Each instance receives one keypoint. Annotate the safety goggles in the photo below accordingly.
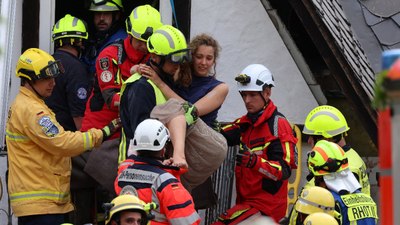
(51, 70)
(147, 33)
(179, 56)
(331, 165)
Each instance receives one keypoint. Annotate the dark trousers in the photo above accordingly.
(47, 219)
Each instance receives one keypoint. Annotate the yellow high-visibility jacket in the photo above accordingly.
(39, 156)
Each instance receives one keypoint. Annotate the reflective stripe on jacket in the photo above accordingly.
(154, 183)
(264, 187)
(39, 152)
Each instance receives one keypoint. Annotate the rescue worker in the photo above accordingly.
(113, 67)
(328, 123)
(39, 149)
(311, 200)
(330, 167)
(108, 25)
(153, 181)
(193, 147)
(70, 94)
(267, 150)
(126, 209)
(68, 102)
(320, 218)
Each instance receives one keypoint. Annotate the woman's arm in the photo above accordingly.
(212, 100)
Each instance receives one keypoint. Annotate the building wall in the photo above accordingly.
(247, 35)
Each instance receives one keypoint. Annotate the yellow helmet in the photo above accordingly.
(325, 120)
(169, 42)
(320, 218)
(36, 64)
(326, 157)
(69, 27)
(142, 22)
(315, 199)
(106, 5)
(126, 202)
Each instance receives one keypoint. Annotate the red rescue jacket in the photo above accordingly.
(271, 138)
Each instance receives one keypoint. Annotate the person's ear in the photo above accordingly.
(267, 92)
(155, 58)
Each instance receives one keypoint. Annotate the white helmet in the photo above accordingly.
(254, 78)
(150, 135)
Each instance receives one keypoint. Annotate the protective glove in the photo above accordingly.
(191, 113)
(111, 128)
(246, 159)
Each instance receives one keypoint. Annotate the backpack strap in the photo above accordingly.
(121, 50)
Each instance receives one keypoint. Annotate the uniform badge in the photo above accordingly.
(104, 63)
(106, 76)
(48, 127)
(81, 93)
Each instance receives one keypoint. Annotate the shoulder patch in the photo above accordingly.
(104, 65)
(48, 127)
(81, 93)
(106, 76)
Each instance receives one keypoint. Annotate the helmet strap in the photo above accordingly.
(33, 88)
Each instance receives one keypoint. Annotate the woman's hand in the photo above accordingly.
(136, 68)
(149, 73)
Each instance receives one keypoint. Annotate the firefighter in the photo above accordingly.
(328, 123)
(108, 25)
(153, 181)
(70, 94)
(329, 165)
(126, 209)
(320, 218)
(193, 147)
(113, 67)
(39, 149)
(311, 200)
(68, 102)
(267, 149)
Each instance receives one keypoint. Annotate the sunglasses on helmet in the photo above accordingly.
(179, 56)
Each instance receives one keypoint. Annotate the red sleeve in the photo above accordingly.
(177, 204)
(108, 76)
(281, 154)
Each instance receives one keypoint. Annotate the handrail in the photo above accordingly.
(293, 187)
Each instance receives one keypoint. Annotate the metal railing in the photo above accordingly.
(223, 181)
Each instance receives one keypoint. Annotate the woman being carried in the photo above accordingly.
(196, 83)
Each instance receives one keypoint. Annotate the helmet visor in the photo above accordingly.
(51, 71)
(179, 56)
(143, 37)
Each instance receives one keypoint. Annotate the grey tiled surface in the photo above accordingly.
(335, 19)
